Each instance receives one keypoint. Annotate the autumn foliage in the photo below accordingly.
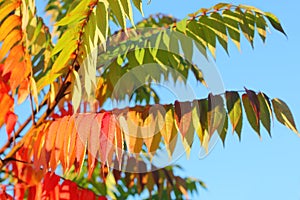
(71, 146)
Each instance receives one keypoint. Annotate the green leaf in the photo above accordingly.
(181, 26)
(102, 21)
(218, 26)
(216, 113)
(250, 18)
(186, 45)
(261, 25)
(200, 121)
(173, 43)
(64, 56)
(284, 114)
(139, 5)
(222, 130)
(69, 36)
(194, 31)
(275, 22)
(234, 107)
(128, 10)
(139, 55)
(118, 11)
(46, 79)
(254, 103)
(210, 35)
(196, 120)
(250, 113)
(231, 20)
(245, 25)
(76, 14)
(265, 111)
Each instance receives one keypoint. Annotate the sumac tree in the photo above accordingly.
(71, 146)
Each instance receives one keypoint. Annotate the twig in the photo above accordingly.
(21, 128)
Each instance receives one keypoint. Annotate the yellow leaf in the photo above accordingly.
(283, 114)
(8, 25)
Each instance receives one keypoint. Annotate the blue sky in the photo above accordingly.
(252, 168)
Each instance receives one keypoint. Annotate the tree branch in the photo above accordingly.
(21, 128)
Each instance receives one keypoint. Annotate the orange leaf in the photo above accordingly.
(50, 142)
(59, 142)
(20, 72)
(70, 152)
(14, 57)
(9, 42)
(93, 145)
(6, 102)
(119, 142)
(39, 155)
(23, 91)
(18, 65)
(83, 124)
(10, 120)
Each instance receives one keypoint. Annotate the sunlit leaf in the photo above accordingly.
(275, 22)
(234, 107)
(251, 114)
(283, 114)
(265, 111)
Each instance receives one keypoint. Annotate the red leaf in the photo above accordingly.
(10, 120)
(51, 180)
(19, 191)
(68, 190)
(183, 116)
(254, 103)
(4, 87)
(107, 135)
(3, 194)
(86, 194)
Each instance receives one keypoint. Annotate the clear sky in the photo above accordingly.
(253, 168)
